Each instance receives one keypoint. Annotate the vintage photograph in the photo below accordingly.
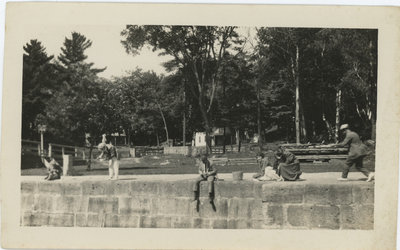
(200, 126)
(216, 127)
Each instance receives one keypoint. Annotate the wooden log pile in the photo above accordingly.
(316, 152)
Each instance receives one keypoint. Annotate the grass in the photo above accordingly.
(173, 164)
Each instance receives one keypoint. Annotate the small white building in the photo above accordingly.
(199, 139)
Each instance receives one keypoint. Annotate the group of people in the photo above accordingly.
(281, 165)
(108, 152)
(278, 165)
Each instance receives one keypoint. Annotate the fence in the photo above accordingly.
(30, 147)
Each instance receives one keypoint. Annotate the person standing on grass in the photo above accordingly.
(207, 173)
(357, 152)
(110, 154)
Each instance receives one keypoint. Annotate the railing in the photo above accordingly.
(142, 151)
(60, 150)
(30, 147)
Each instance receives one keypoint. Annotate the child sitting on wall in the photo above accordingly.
(266, 162)
(54, 170)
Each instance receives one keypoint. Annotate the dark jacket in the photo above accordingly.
(356, 147)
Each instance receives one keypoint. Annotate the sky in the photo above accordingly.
(106, 50)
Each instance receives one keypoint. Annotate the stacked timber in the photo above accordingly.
(316, 152)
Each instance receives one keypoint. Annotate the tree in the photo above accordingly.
(37, 85)
(80, 104)
(286, 46)
(198, 49)
(73, 51)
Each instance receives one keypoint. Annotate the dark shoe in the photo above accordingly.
(196, 196)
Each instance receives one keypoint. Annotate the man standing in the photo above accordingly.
(357, 152)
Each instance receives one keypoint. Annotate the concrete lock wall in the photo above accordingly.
(164, 204)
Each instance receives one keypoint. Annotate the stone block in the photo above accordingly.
(298, 216)
(29, 187)
(364, 215)
(103, 205)
(44, 203)
(61, 220)
(206, 209)
(129, 221)
(155, 222)
(80, 220)
(239, 224)
(181, 222)
(201, 223)
(162, 221)
(257, 224)
(176, 189)
(273, 215)
(363, 194)
(111, 220)
(95, 220)
(27, 202)
(121, 188)
(244, 208)
(97, 188)
(239, 189)
(73, 203)
(134, 205)
(72, 188)
(283, 192)
(325, 217)
(144, 188)
(36, 219)
(347, 217)
(50, 187)
(219, 224)
(328, 194)
(147, 222)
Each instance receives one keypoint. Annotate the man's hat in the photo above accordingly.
(344, 126)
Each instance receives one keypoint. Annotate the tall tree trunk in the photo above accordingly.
(259, 115)
(206, 125)
(303, 123)
(238, 138)
(328, 126)
(224, 142)
(184, 119)
(337, 121)
(372, 91)
(295, 71)
(165, 123)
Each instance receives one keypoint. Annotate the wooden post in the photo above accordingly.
(38, 149)
(50, 150)
(68, 165)
(76, 152)
(62, 151)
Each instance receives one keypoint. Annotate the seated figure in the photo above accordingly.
(288, 166)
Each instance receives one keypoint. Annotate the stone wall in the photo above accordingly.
(164, 204)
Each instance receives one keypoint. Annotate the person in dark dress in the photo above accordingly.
(287, 166)
(357, 152)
